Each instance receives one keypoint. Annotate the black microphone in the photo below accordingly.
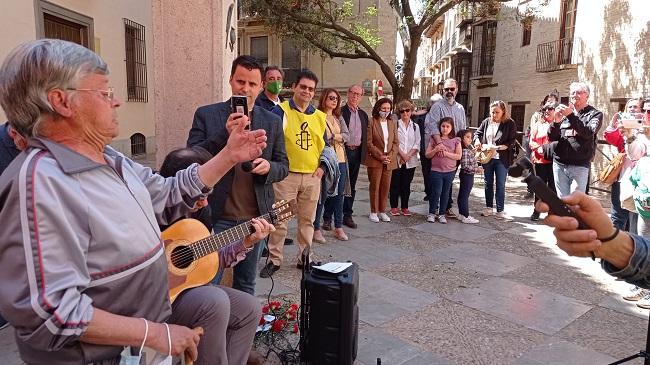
(247, 166)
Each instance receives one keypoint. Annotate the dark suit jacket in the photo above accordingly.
(506, 135)
(8, 150)
(264, 101)
(376, 144)
(345, 112)
(209, 131)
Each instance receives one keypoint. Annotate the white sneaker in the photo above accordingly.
(442, 219)
(373, 217)
(504, 216)
(384, 217)
(431, 218)
(487, 212)
(636, 294)
(644, 302)
(469, 220)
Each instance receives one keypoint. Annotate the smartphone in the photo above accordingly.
(239, 104)
(632, 123)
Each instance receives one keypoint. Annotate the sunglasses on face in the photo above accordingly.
(449, 89)
(333, 98)
(305, 87)
(404, 111)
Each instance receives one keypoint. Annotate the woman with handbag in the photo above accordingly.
(496, 133)
(382, 158)
(539, 138)
(337, 134)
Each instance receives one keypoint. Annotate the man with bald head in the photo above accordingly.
(355, 149)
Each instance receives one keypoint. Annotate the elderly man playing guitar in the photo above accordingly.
(84, 276)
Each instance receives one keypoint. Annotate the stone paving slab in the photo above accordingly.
(560, 352)
(375, 311)
(475, 257)
(382, 300)
(456, 231)
(464, 335)
(617, 303)
(374, 343)
(515, 302)
(609, 332)
(366, 228)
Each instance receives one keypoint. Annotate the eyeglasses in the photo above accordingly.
(109, 93)
(449, 89)
(404, 111)
(352, 93)
(333, 98)
(305, 87)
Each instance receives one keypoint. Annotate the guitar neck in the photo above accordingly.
(218, 241)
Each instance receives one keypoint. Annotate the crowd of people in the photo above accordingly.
(82, 234)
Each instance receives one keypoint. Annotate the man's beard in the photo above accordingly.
(449, 97)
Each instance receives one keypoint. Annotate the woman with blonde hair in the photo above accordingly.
(408, 135)
(496, 133)
(381, 158)
(337, 135)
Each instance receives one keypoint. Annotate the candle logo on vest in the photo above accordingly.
(304, 138)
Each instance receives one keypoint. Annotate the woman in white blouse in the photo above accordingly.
(408, 134)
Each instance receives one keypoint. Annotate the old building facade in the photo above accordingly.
(149, 50)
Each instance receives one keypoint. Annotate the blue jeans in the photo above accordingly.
(243, 277)
(440, 188)
(491, 169)
(466, 184)
(334, 204)
(620, 216)
(569, 178)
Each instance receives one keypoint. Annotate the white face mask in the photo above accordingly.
(384, 115)
(126, 358)
(168, 359)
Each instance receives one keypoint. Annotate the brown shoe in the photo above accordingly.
(348, 221)
(318, 237)
(327, 225)
(340, 235)
(255, 358)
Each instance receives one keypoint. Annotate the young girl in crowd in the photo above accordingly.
(468, 167)
(443, 157)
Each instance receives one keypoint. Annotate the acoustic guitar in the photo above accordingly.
(192, 253)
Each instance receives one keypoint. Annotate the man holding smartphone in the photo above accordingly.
(241, 195)
(576, 140)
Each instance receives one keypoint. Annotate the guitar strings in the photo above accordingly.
(204, 245)
(207, 243)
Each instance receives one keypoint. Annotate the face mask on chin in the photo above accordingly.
(384, 115)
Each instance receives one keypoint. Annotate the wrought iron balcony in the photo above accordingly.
(482, 62)
(554, 56)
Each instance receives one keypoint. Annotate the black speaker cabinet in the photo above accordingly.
(330, 317)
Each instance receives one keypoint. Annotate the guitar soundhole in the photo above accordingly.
(182, 257)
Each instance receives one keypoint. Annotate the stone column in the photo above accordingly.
(192, 57)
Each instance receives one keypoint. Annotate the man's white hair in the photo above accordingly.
(579, 85)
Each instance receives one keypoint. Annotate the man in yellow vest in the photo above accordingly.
(304, 139)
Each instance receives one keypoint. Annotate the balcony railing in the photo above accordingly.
(554, 56)
(482, 62)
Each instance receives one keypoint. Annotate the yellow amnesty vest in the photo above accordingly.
(303, 138)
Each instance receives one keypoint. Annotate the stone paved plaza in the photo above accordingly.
(493, 293)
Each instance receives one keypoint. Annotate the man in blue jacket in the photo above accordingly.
(241, 195)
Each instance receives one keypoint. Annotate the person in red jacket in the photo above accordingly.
(539, 138)
(614, 134)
